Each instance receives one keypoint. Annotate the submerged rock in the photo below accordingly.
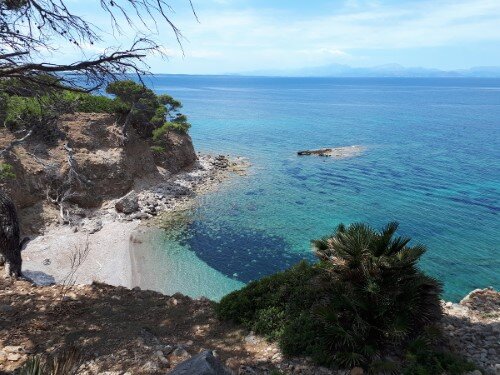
(204, 363)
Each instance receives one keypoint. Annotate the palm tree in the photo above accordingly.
(378, 296)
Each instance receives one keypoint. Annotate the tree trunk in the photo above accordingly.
(10, 246)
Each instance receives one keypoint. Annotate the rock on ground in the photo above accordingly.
(204, 363)
(128, 204)
(472, 328)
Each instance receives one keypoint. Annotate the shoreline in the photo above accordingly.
(98, 247)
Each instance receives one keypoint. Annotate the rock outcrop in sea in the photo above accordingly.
(336, 153)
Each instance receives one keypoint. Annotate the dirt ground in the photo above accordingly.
(120, 330)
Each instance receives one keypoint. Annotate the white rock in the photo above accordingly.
(13, 349)
(13, 357)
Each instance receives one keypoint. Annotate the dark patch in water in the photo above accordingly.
(336, 184)
(466, 201)
(255, 192)
(240, 253)
(293, 170)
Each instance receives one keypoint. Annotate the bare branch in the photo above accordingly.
(14, 143)
(30, 26)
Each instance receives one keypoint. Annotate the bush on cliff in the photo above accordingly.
(150, 114)
(365, 295)
(6, 171)
(37, 109)
(146, 111)
(88, 103)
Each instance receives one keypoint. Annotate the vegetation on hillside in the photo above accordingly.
(151, 115)
(362, 300)
(66, 363)
(6, 171)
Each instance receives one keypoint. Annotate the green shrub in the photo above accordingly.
(67, 362)
(157, 149)
(32, 110)
(6, 171)
(83, 102)
(150, 114)
(163, 130)
(365, 295)
(379, 297)
(22, 112)
(425, 357)
(25, 108)
(279, 308)
(289, 291)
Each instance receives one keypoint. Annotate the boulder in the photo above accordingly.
(128, 204)
(91, 225)
(204, 363)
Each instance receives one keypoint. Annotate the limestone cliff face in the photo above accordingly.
(178, 155)
(91, 157)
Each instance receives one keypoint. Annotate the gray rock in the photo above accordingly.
(140, 215)
(6, 309)
(13, 357)
(150, 367)
(91, 226)
(165, 349)
(202, 364)
(128, 204)
(180, 352)
(161, 358)
(252, 339)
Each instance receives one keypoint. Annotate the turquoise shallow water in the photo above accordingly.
(432, 163)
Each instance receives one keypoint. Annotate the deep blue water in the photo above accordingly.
(432, 164)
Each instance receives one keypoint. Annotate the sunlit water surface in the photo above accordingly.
(432, 164)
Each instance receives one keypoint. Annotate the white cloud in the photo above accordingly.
(231, 37)
(422, 25)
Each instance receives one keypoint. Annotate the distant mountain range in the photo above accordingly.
(388, 70)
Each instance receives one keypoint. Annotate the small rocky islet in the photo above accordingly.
(345, 152)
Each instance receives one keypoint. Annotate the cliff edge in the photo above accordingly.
(83, 162)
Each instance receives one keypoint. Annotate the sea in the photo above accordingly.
(431, 163)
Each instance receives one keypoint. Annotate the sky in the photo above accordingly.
(240, 36)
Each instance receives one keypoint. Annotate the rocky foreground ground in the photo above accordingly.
(123, 331)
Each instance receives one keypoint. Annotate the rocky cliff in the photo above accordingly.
(85, 163)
